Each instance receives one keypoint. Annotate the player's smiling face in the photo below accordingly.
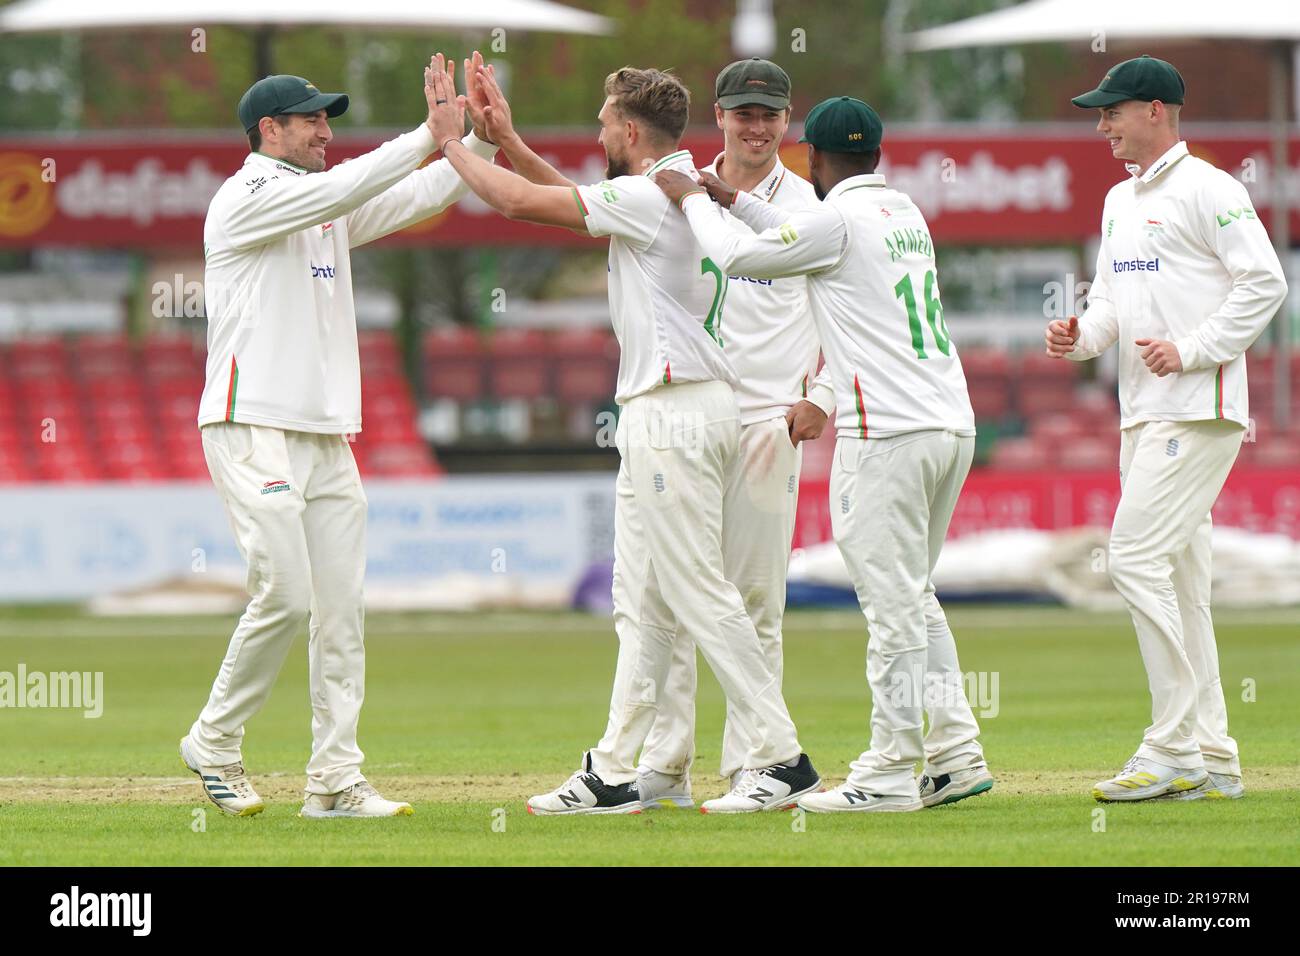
(613, 136)
(301, 140)
(1126, 128)
(752, 133)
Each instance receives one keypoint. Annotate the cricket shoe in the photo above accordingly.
(358, 800)
(849, 799)
(1218, 786)
(228, 787)
(585, 792)
(1142, 779)
(768, 788)
(663, 789)
(941, 788)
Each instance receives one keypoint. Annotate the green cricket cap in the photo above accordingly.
(276, 95)
(752, 82)
(1144, 78)
(843, 124)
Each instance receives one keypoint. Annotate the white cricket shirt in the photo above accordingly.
(282, 333)
(867, 253)
(665, 295)
(1183, 257)
(771, 338)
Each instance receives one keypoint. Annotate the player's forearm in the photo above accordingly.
(291, 204)
(504, 191)
(730, 251)
(755, 213)
(531, 166)
(822, 392)
(1234, 327)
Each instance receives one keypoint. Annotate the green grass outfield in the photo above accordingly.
(467, 715)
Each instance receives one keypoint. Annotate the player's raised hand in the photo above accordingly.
(446, 118)
(721, 193)
(676, 184)
(474, 99)
(496, 112)
(1061, 336)
(1161, 357)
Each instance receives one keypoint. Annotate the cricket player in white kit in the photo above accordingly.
(678, 437)
(283, 392)
(906, 435)
(772, 344)
(1186, 281)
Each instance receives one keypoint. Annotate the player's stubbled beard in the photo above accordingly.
(616, 165)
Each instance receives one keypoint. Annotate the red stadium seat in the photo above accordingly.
(1037, 364)
(1089, 454)
(586, 365)
(1020, 454)
(990, 399)
(454, 360)
(985, 363)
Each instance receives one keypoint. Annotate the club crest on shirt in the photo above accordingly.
(326, 229)
(1153, 228)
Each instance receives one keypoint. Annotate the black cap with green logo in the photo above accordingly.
(843, 124)
(276, 95)
(1144, 78)
(752, 82)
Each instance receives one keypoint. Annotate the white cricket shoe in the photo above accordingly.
(228, 787)
(1142, 779)
(663, 789)
(1217, 786)
(939, 789)
(768, 788)
(849, 799)
(358, 800)
(585, 792)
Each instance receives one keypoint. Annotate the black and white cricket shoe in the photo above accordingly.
(768, 788)
(585, 792)
(942, 788)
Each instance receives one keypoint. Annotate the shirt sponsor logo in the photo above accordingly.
(748, 279)
(1232, 215)
(271, 487)
(322, 272)
(1135, 265)
(255, 184)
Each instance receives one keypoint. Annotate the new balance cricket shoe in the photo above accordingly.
(663, 789)
(849, 799)
(1218, 786)
(585, 792)
(228, 786)
(358, 800)
(1142, 779)
(942, 788)
(768, 788)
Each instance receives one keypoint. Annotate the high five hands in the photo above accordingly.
(446, 118)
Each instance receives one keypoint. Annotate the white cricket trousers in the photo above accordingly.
(679, 444)
(891, 502)
(299, 515)
(758, 511)
(1170, 475)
